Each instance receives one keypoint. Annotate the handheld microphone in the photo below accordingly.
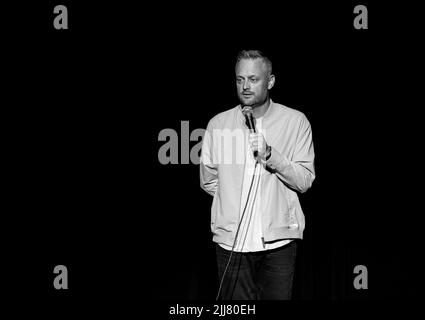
(249, 120)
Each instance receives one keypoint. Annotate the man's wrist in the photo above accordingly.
(268, 152)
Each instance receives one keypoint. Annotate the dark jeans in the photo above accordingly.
(265, 275)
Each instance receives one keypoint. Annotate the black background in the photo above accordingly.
(87, 189)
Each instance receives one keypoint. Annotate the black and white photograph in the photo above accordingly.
(214, 159)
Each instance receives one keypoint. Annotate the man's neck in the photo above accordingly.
(259, 111)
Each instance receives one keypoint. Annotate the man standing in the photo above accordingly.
(256, 216)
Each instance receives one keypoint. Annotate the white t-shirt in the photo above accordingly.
(250, 237)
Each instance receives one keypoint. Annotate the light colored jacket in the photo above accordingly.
(290, 169)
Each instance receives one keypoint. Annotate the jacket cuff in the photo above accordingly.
(277, 161)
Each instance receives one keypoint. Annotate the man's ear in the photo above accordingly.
(271, 82)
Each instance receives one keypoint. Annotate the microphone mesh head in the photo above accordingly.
(247, 110)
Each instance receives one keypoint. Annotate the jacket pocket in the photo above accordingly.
(280, 208)
(214, 209)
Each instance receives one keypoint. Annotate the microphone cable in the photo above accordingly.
(237, 232)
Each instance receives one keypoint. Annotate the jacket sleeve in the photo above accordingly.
(208, 169)
(298, 172)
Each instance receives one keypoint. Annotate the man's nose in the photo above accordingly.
(246, 84)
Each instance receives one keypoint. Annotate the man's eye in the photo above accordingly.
(238, 80)
(254, 80)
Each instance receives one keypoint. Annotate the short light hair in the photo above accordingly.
(252, 55)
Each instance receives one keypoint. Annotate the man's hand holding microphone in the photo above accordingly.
(256, 140)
